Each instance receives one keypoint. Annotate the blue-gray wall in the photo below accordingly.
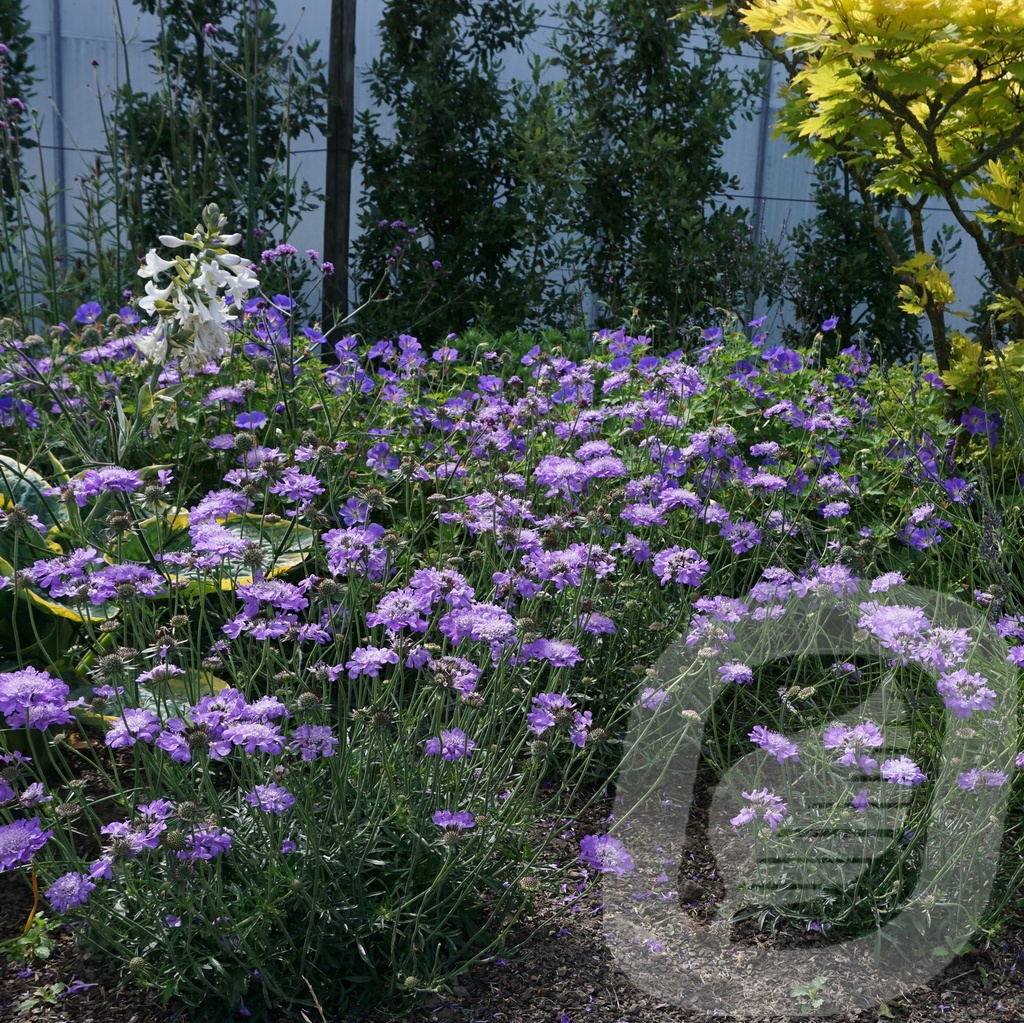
(79, 59)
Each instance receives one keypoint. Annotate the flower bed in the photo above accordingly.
(346, 623)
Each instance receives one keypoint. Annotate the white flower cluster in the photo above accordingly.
(192, 307)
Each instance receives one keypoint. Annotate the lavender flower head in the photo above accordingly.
(271, 798)
(20, 841)
(763, 804)
(69, 891)
(453, 744)
(606, 854)
(774, 743)
(903, 771)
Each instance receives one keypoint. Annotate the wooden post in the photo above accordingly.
(338, 188)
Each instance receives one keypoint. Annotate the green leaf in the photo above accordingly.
(285, 545)
(169, 698)
(21, 485)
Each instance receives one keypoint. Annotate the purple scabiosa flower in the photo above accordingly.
(369, 660)
(579, 729)
(964, 693)
(297, 486)
(903, 771)
(683, 566)
(272, 798)
(559, 475)
(68, 891)
(654, 699)
(33, 699)
(763, 804)
(722, 609)
(835, 509)
(606, 854)
(970, 780)
(640, 515)
(556, 652)
(736, 671)
(313, 741)
(742, 536)
(61, 575)
(357, 550)
(20, 841)
(861, 800)
(480, 623)
(449, 820)
(453, 744)
(442, 584)
(549, 709)
(34, 795)
(831, 323)
(109, 478)
(885, 582)
(255, 735)
(898, 627)
(133, 724)
(941, 648)
(401, 609)
(596, 624)
(123, 582)
(764, 480)
(162, 672)
(455, 673)
(775, 743)
(854, 742)
(275, 592)
(219, 504)
(206, 843)
(225, 395)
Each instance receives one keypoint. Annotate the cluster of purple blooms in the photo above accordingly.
(665, 480)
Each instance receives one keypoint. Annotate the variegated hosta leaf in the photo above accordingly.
(168, 698)
(285, 545)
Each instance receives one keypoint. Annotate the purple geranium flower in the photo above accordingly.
(976, 420)
(88, 312)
